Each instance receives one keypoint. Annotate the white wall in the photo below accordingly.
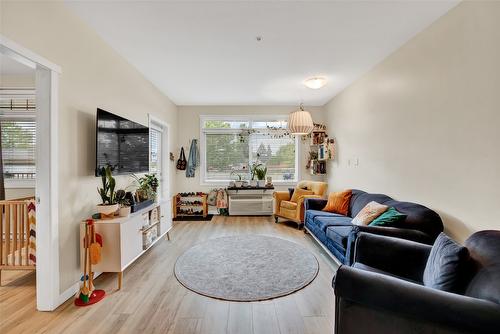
(425, 122)
(93, 76)
(189, 128)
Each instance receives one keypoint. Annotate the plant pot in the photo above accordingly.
(254, 183)
(124, 211)
(107, 210)
(238, 184)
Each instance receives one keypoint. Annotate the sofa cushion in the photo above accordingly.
(313, 214)
(338, 220)
(362, 266)
(288, 205)
(338, 202)
(389, 218)
(371, 211)
(445, 265)
(339, 234)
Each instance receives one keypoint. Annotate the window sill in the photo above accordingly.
(19, 184)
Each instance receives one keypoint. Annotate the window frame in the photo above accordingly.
(241, 118)
(20, 116)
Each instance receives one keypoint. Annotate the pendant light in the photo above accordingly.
(300, 122)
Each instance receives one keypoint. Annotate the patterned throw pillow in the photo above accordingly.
(371, 211)
(389, 218)
(338, 202)
(300, 192)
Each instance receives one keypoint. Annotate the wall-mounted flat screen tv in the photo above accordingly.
(121, 143)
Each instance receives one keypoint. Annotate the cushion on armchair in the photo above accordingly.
(338, 202)
(288, 205)
(300, 192)
(445, 265)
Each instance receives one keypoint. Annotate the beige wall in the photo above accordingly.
(425, 123)
(189, 128)
(93, 76)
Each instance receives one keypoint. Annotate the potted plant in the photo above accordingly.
(108, 195)
(239, 182)
(148, 187)
(123, 202)
(260, 172)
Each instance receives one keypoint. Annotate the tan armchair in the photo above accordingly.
(294, 211)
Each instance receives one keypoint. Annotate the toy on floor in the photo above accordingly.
(92, 244)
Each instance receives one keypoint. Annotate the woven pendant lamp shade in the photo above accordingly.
(300, 122)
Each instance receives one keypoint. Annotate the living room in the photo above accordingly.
(339, 169)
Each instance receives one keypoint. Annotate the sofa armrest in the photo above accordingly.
(408, 234)
(405, 299)
(278, 197)
(301, 206)
(314, 203)
(400, 257)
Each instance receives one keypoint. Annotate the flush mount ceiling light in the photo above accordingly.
(315, 82)
(300, 122)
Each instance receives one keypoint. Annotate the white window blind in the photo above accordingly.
(18, 131)
(155, 156)
(230, 146)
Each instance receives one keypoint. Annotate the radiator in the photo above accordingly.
(250, 205)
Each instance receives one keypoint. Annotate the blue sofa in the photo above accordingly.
(338, 234)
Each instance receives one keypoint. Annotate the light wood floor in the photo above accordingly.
(152, 301)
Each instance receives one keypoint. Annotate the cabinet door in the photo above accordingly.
(131, 240)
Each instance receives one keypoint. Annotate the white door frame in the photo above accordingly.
(48, 295)
(165, 155)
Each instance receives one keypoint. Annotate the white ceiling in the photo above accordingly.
(206, 53)
(9, 66)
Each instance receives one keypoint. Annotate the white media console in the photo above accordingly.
(125, 239)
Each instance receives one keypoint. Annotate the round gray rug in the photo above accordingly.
(246, 268)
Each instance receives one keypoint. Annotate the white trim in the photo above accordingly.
(165, 154)
(25, 56)
(48, 294)
(70, 292)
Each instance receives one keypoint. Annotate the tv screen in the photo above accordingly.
(121, 143)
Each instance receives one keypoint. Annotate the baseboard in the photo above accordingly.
(324, 247)
(70, 292)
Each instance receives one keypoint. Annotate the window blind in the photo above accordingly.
(277, 154)
(18, 148)
(155, 156)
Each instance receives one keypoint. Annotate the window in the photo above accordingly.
(229, 146)
(155, 135)
(18, 129)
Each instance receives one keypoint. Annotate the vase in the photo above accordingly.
(107, 210)
(124, 211)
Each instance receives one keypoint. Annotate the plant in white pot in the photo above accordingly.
(123, 202)
(109, 206)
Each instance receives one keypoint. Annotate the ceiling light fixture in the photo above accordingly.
(315, 83)
(300, 122)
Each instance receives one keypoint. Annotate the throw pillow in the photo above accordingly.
(371, 211)
(338, 202)
(297, 193)
(445, 265)
(389, 218)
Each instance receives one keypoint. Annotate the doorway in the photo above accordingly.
(32, 167)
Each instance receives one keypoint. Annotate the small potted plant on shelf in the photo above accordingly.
(123, 202)
(239, 182)
(261, 172)
(108, 195)
(148, 187)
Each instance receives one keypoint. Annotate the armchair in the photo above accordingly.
(294, 211)
(383, 291)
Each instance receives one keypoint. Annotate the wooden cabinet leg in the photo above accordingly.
(120, 280)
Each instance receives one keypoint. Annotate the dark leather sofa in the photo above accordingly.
(383, 292)
(338, 235)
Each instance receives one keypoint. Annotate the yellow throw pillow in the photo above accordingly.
(300, 192)
(338, 202)
(371, 211)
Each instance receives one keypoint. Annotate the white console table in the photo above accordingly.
(123, 237)
(250, 201)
